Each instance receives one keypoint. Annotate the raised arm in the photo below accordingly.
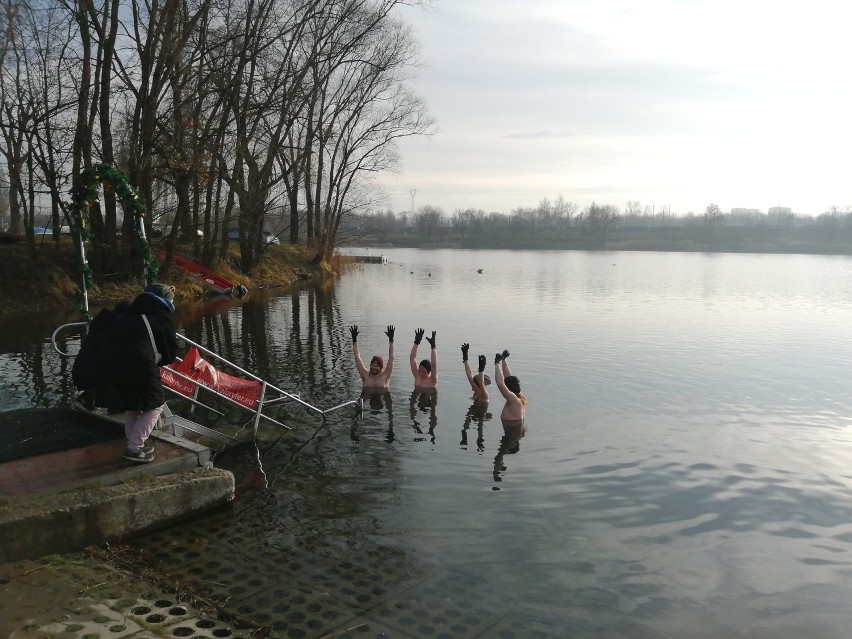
(467, 371)
(418, 335)
(389, 368)
(433, 357)
(480, 378)
(500, 380)
(362, 370)
(506, 371)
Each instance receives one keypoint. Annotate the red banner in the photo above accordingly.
(245, 392)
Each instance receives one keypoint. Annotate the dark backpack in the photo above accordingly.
(84, 372)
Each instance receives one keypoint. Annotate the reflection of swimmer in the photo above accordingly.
(426, 372)
(478, 412)
(510, 387)
(479, 409)
(510, 443)
(378, 401)
(423, 402)
(378, 376)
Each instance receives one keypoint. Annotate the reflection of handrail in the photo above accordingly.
(56, 332)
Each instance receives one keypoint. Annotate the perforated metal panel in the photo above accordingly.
(31, 431)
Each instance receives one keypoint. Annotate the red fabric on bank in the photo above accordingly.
(245, 392)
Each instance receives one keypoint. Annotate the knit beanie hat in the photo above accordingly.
(162, 290)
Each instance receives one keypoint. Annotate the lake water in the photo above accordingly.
(685, 469)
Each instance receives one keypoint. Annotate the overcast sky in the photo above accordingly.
(672, 103)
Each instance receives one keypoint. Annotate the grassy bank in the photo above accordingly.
(51, 279)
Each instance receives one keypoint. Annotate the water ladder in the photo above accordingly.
(269, 395)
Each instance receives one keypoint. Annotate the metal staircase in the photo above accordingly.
(195, 390)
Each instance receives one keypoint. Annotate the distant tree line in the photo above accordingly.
(249, 114)
(561, 224)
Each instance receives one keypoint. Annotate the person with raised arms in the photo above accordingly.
(378, 375)
(513, 414)
(426, 372)
(510, 387)
(479, 381)
(478, 411)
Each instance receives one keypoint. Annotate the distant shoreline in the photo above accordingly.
(792, 246)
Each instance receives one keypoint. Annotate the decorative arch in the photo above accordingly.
(84, 196)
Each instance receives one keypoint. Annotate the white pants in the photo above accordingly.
(139, 424)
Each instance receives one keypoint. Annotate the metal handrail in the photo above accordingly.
(282, 392)
(56, 332)
(283, 395)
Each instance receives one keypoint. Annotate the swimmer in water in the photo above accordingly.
(378, 376)
(510, 386)
(426, 372)
(479, 381)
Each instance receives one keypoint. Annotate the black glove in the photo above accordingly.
(505, 354)
(497, 358)
(431, 340)
(418, 335)
(465, 348)
(481, 363)
(354, 331)
(389, 333)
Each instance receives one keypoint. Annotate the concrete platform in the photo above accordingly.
(63, 500)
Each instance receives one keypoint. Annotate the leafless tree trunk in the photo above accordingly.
(262, 90)
(363, 109)
(221, 107)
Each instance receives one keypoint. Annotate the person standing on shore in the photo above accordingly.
(377, 376)
(143, 339)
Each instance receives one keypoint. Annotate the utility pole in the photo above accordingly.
(413, 192)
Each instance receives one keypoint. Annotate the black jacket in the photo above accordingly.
(128, 377)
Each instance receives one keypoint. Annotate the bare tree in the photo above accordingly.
(34, 110)
(599, 218)
(263, 95)
(362, 107)
(215, 109)
(429, 221)
(712, 215)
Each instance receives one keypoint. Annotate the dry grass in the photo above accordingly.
(47, 281)
(50, 280)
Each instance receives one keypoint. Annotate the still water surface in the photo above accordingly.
(685, 470)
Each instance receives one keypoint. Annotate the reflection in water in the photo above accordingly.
(378, 401)
(288, 340)
(510, 443)
(478, 412)
(423, 403)
(31, 372)
(710, 507)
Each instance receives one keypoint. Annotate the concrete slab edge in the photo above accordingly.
(68, 521)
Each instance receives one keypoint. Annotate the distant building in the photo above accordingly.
(745, 212)
(780, 211)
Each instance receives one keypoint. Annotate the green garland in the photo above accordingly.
(84, 195)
